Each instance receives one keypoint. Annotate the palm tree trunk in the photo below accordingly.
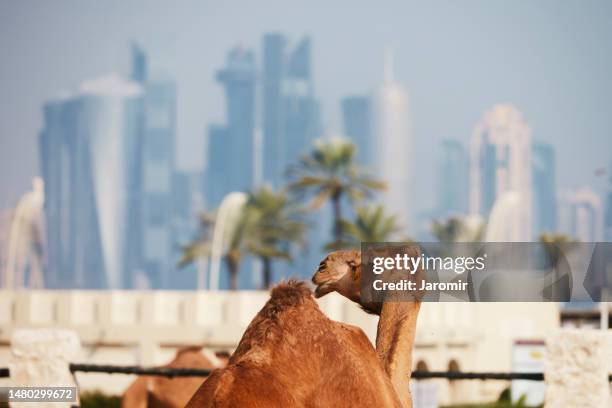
(337, 217)
(267, 272)
(232, 266)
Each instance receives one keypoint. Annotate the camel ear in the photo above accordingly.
(355, 261)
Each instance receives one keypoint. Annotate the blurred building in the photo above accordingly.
(107, 154)
(90, 147)
(217, 151)
(392, 135)
(544, 188)
(231, 158)
(452, 179)
(6, 216)
(187, 205)
(187, 200)
(608, 215)
(500, 162)
(25, 242)
(356, 117)
(581, 215)
(290, 111)
(157, 170)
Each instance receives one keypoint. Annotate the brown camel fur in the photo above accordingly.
(162, 392)
(341, 272)
(292, 355)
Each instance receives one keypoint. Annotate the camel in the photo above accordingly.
(292, 355)
(161, 392)
(341, 272)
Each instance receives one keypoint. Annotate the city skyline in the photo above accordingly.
(559, 104)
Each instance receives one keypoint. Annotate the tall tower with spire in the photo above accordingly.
(392, 141)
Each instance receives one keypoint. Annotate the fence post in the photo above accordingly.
(41, 358)
(576, 369)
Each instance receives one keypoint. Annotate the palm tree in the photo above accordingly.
(328, 173)
(274, 226)
(266, 227)
(201, 246)
(371, 225)
(458, 229)
(555, 245)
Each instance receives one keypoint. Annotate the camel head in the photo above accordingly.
(340, 272)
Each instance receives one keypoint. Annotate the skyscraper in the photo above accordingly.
(157, 155)
(272, 79)
(139, 67)
(300, 109)
(218, 151)
(231, 148)
(581, 215)
(90, 159)
(452, 179)
(392, 133)
(6, 218)
(544, 188)
(290, 110)
(608, 216)
(356, 116)
(187, 204)
(500, 162)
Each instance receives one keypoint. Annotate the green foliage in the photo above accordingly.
(97, 399)
(371, 224)
(329, 174)
(504, 401)
(504, 404)
(268, 226)
(556, 239)
(273, 226)
(328, 171)
(457, 229)
(201, 245)
(554, 244)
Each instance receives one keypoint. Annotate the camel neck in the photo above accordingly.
(394, 343)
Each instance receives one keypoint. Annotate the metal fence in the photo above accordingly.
(198, 372)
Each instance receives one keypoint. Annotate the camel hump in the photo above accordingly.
(290, 293)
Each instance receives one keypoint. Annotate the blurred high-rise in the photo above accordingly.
(187, 203)
(107, 154)
(157, 169)
(452, 179)
(392, 137)
(581, 215)
(290, 111)
(356, 116)
(608, 215)
(91, 163)
(6, 217)
(544, 188)
(500, 169)
(231, 157)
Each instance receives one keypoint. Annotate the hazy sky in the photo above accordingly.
(552, 59)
